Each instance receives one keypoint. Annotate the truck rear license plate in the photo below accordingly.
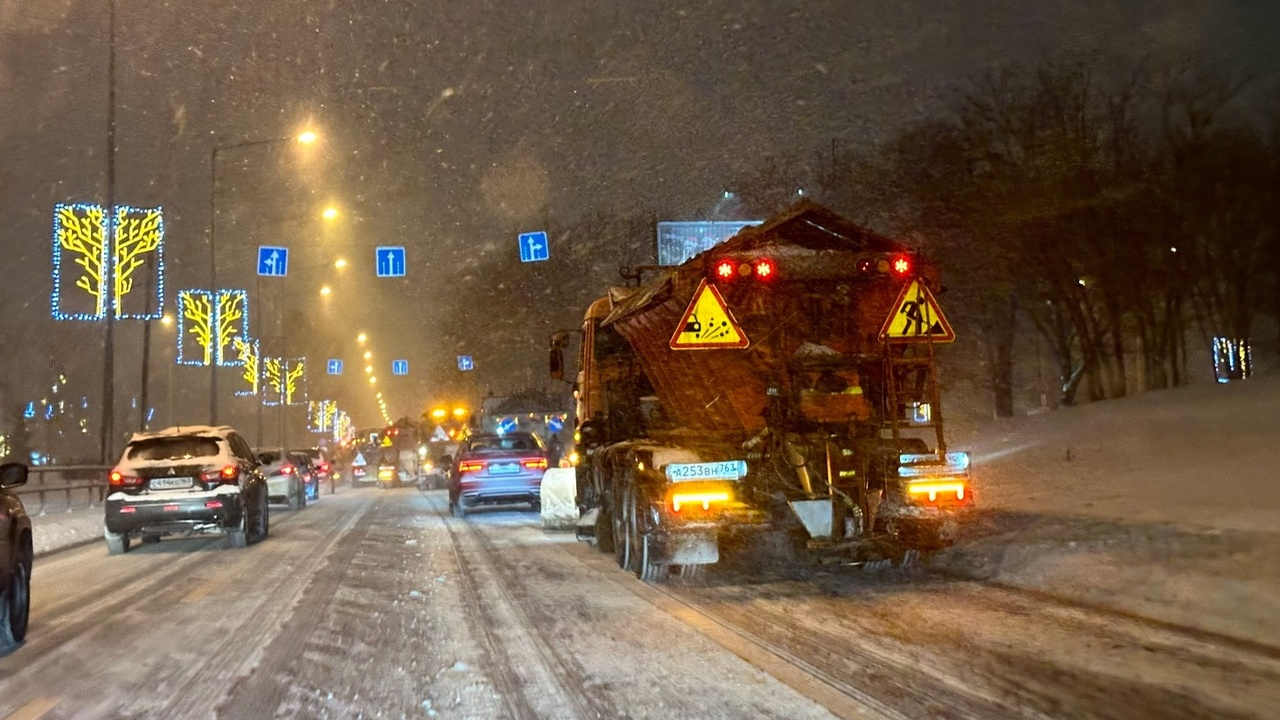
(171, 483)
(723, 470)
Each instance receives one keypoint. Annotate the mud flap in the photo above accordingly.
(559, 499)
(585, 528)
(815, 515)
(689, 549)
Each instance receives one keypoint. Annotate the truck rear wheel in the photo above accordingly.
(639, 542)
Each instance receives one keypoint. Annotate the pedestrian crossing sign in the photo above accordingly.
(440, 435)
(916, 317)
(708, 324)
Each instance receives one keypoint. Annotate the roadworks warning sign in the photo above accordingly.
(708, 324)
(916, 317)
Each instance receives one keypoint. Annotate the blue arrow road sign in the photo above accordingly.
(335, 367)
(534, 247)
(465, 363)
(273, 261)
(399, 367)
(390, 261)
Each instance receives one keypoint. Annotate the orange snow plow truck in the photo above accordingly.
(783, 379)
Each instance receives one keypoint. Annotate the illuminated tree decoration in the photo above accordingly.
(195, 318)
(233, 322)
(79, 233)
(285, 381)
(322, 415)
(214, 327)
(249, 353)
(139, 234)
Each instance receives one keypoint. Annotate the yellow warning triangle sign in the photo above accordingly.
(386, 441)
(916, 317)
(708, 324)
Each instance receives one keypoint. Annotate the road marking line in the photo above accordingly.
(34, 709)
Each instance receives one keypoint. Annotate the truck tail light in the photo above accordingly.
(699, 495)
(943, 489)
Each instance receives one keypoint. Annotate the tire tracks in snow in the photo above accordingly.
(266, 686)
(565, 677)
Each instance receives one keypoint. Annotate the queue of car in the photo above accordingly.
(192, 480)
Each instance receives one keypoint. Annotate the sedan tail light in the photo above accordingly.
(118, 479)
(467, 466)
(534, 464)
(286, 469)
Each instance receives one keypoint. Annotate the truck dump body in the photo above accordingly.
(819, 301)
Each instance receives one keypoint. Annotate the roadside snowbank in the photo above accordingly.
(1165, 505)
(57, 530)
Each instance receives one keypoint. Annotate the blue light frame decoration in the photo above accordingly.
(106, 254)
(268, 392)
(182, 296)
(223, 354)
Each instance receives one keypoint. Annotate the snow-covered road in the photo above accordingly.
(378, 604)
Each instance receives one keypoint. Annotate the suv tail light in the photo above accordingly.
(467, 466)
(119, 479)
(534, 464)
(229, 474)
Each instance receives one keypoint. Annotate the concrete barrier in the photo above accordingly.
(559, 499)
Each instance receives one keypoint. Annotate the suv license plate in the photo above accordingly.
(171, 483)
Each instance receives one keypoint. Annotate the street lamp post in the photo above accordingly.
(107, 430)
(306, 138)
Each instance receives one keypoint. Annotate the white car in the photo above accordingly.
(285, 481)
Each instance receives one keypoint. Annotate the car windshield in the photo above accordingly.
(269, 457)
(174, 448)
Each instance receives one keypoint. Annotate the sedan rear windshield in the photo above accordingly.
(174, 448)
(483, 443)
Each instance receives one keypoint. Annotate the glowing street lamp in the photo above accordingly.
(329, 213)
(361, 338)
(367, 354)
(307, 137)
(340, 263)
(325, 291)
(368, 369)
(372, 380)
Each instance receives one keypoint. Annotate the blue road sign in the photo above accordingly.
(465, 363)
(335, 367)
(389, 261)
(273, 261)
(534, 247)
(555, 424)
(399, 367)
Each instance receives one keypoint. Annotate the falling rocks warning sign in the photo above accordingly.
(708, 324)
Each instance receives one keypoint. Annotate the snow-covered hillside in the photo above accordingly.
(1165, 504)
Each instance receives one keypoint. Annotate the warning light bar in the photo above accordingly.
(760, 268)
(898, 264)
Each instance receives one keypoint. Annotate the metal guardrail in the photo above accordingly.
(63, 487)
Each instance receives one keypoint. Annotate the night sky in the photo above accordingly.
(448, 127)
